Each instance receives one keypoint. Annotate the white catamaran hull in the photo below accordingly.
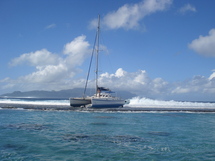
(103, 103)
(77, 102)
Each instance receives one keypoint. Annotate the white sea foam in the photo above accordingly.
(146, 102)
(35, 102)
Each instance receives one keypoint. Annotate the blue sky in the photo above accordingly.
(160, 49)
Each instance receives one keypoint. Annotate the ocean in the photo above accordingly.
(49, 134)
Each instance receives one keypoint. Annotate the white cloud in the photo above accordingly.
(187, 8)
(137, 82)
(77, 46)
(5, 80)
(141, 78)
(76, 51)
(204, 45)
(180, 90)
(198, 85)
(212, 76)
(53, 68)
(37, 58)
(120, 73)
(47, 74)
(129, 15)
(50, 26)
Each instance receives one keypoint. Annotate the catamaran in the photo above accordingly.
(103, 97)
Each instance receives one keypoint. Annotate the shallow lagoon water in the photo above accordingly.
(71, 135)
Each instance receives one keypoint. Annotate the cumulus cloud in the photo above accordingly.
(47, 74)
(77, 46)
(76, 51)
(187, 8)
(138, 82)
(37, 58)
(52, 68)
(199, 87)
(193, 85)
(204, 45)
(129, 15)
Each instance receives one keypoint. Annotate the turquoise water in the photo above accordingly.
(68, 135)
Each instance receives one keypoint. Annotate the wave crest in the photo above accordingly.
(146, 102)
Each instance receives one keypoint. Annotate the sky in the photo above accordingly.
(159, 49)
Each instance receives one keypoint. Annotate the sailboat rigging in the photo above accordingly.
(102, 97)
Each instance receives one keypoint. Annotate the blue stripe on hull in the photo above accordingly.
(107, 106)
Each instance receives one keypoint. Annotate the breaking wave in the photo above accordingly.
(146, 102)
(35, 101)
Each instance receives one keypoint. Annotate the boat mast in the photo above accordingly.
(96, 51)
(97, 54)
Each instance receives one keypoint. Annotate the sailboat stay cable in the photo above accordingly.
(91, 59)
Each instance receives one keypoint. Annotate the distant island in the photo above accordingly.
(62, 94)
